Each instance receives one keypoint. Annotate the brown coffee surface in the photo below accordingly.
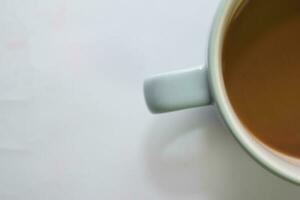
(261, 69)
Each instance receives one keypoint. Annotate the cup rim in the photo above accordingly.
(223, 16)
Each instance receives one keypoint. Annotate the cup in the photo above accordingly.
(204, 85)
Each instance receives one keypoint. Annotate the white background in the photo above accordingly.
(73, 123)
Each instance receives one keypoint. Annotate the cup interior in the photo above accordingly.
(278, 163)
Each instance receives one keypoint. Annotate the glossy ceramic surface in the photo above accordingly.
(177, 90)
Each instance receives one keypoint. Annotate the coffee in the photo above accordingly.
(261, 69)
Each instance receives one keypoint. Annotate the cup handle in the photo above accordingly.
(177, 90)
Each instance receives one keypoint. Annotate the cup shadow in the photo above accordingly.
(192, 153)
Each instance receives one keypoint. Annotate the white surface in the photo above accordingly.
(73, 123)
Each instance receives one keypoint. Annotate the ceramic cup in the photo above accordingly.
(204, 85)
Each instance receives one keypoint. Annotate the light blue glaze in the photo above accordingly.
(177, 90)
(190, 88)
